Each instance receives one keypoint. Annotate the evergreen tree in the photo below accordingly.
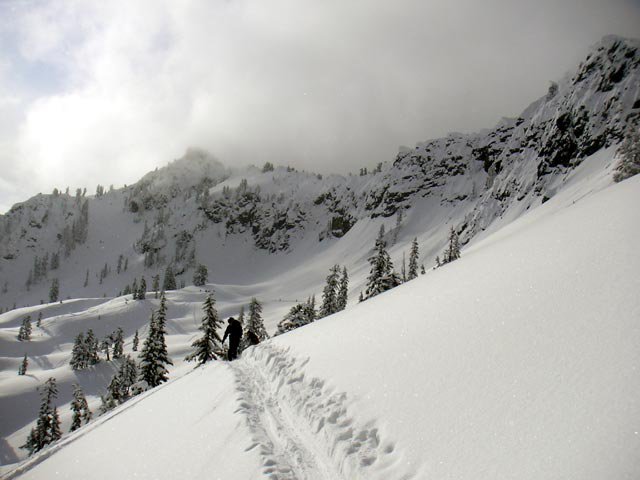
(91, 347)
(136, 340)
(80, 408)
(104, 346)
(126, 263)
(154, 357)
(629, 153)
(200, 276)
(119, 264)
(206, 345)
(86, 278)
(156, 285)
(54, 291)
(300, 314)
(142, 290)
(413, 260)
(39, 322)
(118, 343)
(134, 289)
(381, 277)
(403, 270)
(79, 357)
(453, 249)
(343, 290)
(330, 293)
(422, 270)
(22, 369)
(169, 282)
(241, 315)
(24, 333)
(255, 323)
(47, 429)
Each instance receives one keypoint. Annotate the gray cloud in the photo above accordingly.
(101, 92)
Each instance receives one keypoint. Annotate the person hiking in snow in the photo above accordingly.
(234, 331)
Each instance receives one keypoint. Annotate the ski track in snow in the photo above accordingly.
(303, 430)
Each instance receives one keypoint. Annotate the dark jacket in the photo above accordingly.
(234, 331)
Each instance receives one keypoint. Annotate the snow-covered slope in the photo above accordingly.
(519, 361)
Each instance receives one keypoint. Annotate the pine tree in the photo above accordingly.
(79, 357)
(47, 429)
(22, 369)
(134, 289)
(80, 408)
(206, 345)
(255, 323)
(330, 293)
(403, 270)
(118, 343)
(24, 334)
(54, 291)
(142, 290)
(381, 277)
(39, 322)
(91, 347)
(201, 275)
(343, 290)
(104, 346)
(156, 285)
(119, 264)
(422, 269)
(300, 314)
(169, 282)
(413, 260)
(453, 249)
(136, 340)
(126, 263)
(154, 356)
(86, 278)
(629, 153)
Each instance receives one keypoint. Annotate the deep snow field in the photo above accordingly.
(521, 360)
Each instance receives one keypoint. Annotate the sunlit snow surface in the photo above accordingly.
(521, 360)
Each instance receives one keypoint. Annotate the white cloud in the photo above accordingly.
(327, 86)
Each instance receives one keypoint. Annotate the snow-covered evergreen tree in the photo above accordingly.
(24, 333)
(22, 369)
(629, 153)
(91, 346)
(54, 290)
(330, 293)
(343, 290)
(118, 343)
(452, 251)
(134, 289)
(79, 357)
(142, 289)
(156, 285)
(201, 275)
(255, 323)
(80, 408)
(136, 341)
(169, 282)
(39, 322)
(300, 314)
(381, 276)
(403, 270)
(47, 429)
(210, 340)
(413, 260)
(154, 356)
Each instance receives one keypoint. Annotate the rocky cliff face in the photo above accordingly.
(465, 180)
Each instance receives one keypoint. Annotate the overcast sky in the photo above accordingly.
(104, 91)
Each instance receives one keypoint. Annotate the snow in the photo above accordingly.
(520, 360)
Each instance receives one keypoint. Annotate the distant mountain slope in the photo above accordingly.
(195, 210)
